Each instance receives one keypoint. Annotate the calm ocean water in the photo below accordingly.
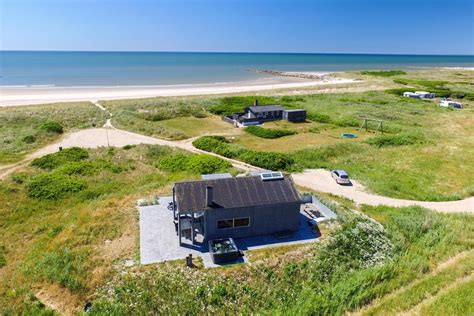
(157, 68)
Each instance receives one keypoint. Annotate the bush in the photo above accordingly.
(320, 118)
(200, 164)
(88, 168)
(205, 164)
(52, 127)
(52, 161)
(268, 133)
(176, 162)
(384, 73)
(262, 159)
(359, 243)
(128, 147)
(29, 139)
(53, 186)
(267, 160)
(396, 140)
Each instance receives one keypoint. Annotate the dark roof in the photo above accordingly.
(266, 108)
(296, 110)
(235, 192)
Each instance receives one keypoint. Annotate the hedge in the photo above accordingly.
(269, 133)
(262, 159)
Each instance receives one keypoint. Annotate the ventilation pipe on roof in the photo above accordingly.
(209, 196)
(255, 102)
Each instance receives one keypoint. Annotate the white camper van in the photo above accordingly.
(451, 104)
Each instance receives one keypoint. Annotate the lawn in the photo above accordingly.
(169, 118)
(426, 152)
(22, 128)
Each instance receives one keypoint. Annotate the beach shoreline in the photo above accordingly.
(32, 95)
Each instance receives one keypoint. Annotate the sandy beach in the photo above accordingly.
(25, 95)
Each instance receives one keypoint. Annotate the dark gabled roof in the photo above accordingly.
(235, 192)
(266, 108)
(295, 110)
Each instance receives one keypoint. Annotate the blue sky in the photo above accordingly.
(321, 26)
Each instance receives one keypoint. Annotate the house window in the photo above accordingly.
(242, 222)
(226, 223)
(233, 223)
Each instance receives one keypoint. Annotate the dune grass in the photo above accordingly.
(55, 232)
(26, 128)
(457, 301)
(359, 262)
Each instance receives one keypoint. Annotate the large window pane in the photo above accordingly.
(241, 222)
(226, 223)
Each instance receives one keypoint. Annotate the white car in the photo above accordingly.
(340, 176)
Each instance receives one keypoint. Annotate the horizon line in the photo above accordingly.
(227, 52)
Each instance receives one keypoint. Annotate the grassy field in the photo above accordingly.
(360, 262)
(69, 225)
(66, 223)
(21, 128)
(169, 118)
(426, 153)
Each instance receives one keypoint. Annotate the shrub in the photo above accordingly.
(384, 73)
(52, 127)
(29, 139)
(52, 161)
(204, 164)
(268, 133)
(176, 162)
(396, 140)
(53, 186)
(128, 147)
(320, 118)
(359, 243)
(266, 160)
(200, 164)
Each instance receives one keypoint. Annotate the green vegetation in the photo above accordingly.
(53, 186)
(457, 301)
(396, 140)
(269, 133)
(426, 152)
(52, 127)
(24, 129)
(57, 223)
(199, 164)
(361, 261)
(442, 88)
(384, 73)
(52, 161)
(170, 118)
(221, 146)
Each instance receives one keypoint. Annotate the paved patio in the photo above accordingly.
(159, 241)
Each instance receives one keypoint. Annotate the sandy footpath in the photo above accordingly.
(318, 180)
(321, 180)
(26, 95)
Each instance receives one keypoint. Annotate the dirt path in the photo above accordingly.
(438, 269)
(321, 180)
(318, 180)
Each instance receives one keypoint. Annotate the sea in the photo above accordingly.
(54, 68)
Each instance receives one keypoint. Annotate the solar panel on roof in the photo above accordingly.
(271, 176)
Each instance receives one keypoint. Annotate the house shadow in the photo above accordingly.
(306, 233)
